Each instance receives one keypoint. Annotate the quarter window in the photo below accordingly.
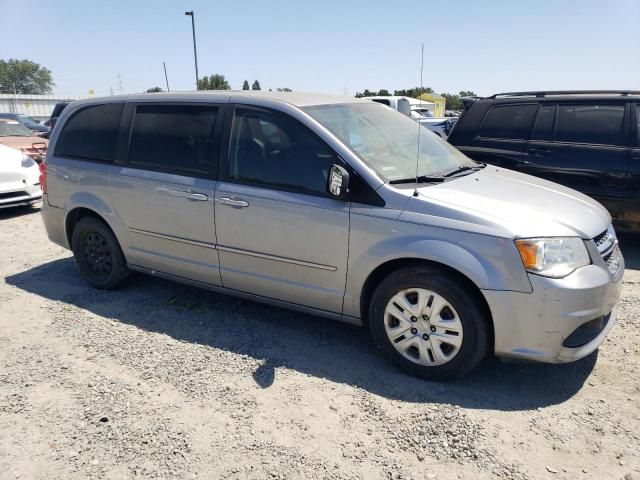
(276, 150)
(91, 133)
(175, 138)
(543, 129)
(508, 121)
(596, 124)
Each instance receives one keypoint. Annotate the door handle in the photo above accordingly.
(197, 197)
(234, 202)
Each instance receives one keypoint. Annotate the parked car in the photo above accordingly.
(57, 111)
(419, 110)
(15, 135)
(585, 140)
(19, 179)
(29, 122)
(323, 204)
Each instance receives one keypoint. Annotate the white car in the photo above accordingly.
(19, 178)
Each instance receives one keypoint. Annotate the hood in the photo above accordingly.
(12, 174)
(511, 204)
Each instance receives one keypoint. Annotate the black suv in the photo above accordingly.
(585, 140)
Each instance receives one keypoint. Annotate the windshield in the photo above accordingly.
(13, 129)
(388, 140)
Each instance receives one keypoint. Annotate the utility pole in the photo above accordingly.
(119, 77)
(195, 51)
(166, 79)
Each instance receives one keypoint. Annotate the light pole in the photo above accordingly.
(195, 51)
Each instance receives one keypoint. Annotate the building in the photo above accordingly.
(36, 106)
(439, 103)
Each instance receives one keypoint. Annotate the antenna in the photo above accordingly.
(415, 192)
(166, 79)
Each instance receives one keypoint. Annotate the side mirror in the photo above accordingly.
(37, 121)
(338, 181)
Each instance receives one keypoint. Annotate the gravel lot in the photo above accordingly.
(160, 380)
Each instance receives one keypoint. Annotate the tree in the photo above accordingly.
(24, 77)
(285, 89)
(256, 85)
(213, 82)
(452, 102)
(413, 92)
(366, 93)
(383, 93)
(245, 85)
(154, 90)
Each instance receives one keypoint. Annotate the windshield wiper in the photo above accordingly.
(464, 168)
(420, 179)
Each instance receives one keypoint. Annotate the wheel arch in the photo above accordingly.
(75, 215)
(384, 269)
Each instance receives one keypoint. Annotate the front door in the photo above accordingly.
(164, 193)
(583, 146)
(280, 234)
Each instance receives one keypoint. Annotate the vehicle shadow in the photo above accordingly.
(630, 246)
(322, 348)
(15, 212)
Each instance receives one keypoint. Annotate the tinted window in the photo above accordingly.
(508, 121)
(384, 102)
(543, 128)
(91, 133)
(274, 149)
(599, 124)
(178, 138)
(638, 119)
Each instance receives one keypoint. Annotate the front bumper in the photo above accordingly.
(19, 195)
(534, 326)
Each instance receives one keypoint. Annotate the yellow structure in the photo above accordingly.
(438, 100)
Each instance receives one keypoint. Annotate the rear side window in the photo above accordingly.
(384, 102)
(508, 121)
(176, 138)
(543, 128)
(596, 124)
(91, 133)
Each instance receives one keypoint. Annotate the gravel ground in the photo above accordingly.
(160, 380)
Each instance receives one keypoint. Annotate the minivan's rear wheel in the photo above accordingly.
(429, 323)
(97, 254)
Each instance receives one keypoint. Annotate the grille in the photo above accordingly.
(607, 245)
(4, 196)
(586, 332)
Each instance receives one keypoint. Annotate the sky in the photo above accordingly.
(329, 46)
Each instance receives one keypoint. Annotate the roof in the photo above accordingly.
(299, 99)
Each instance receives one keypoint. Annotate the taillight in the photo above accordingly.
(43, 177)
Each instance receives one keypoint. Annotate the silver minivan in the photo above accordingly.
(337, 207)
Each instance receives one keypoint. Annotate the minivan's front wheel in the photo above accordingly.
(429, 323)
(97, 254)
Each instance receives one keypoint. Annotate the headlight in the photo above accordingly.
(27, 161)
(553, 257)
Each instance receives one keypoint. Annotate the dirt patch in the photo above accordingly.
(160, 380)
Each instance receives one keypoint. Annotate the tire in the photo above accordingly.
(98, 255)
(449, 348)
